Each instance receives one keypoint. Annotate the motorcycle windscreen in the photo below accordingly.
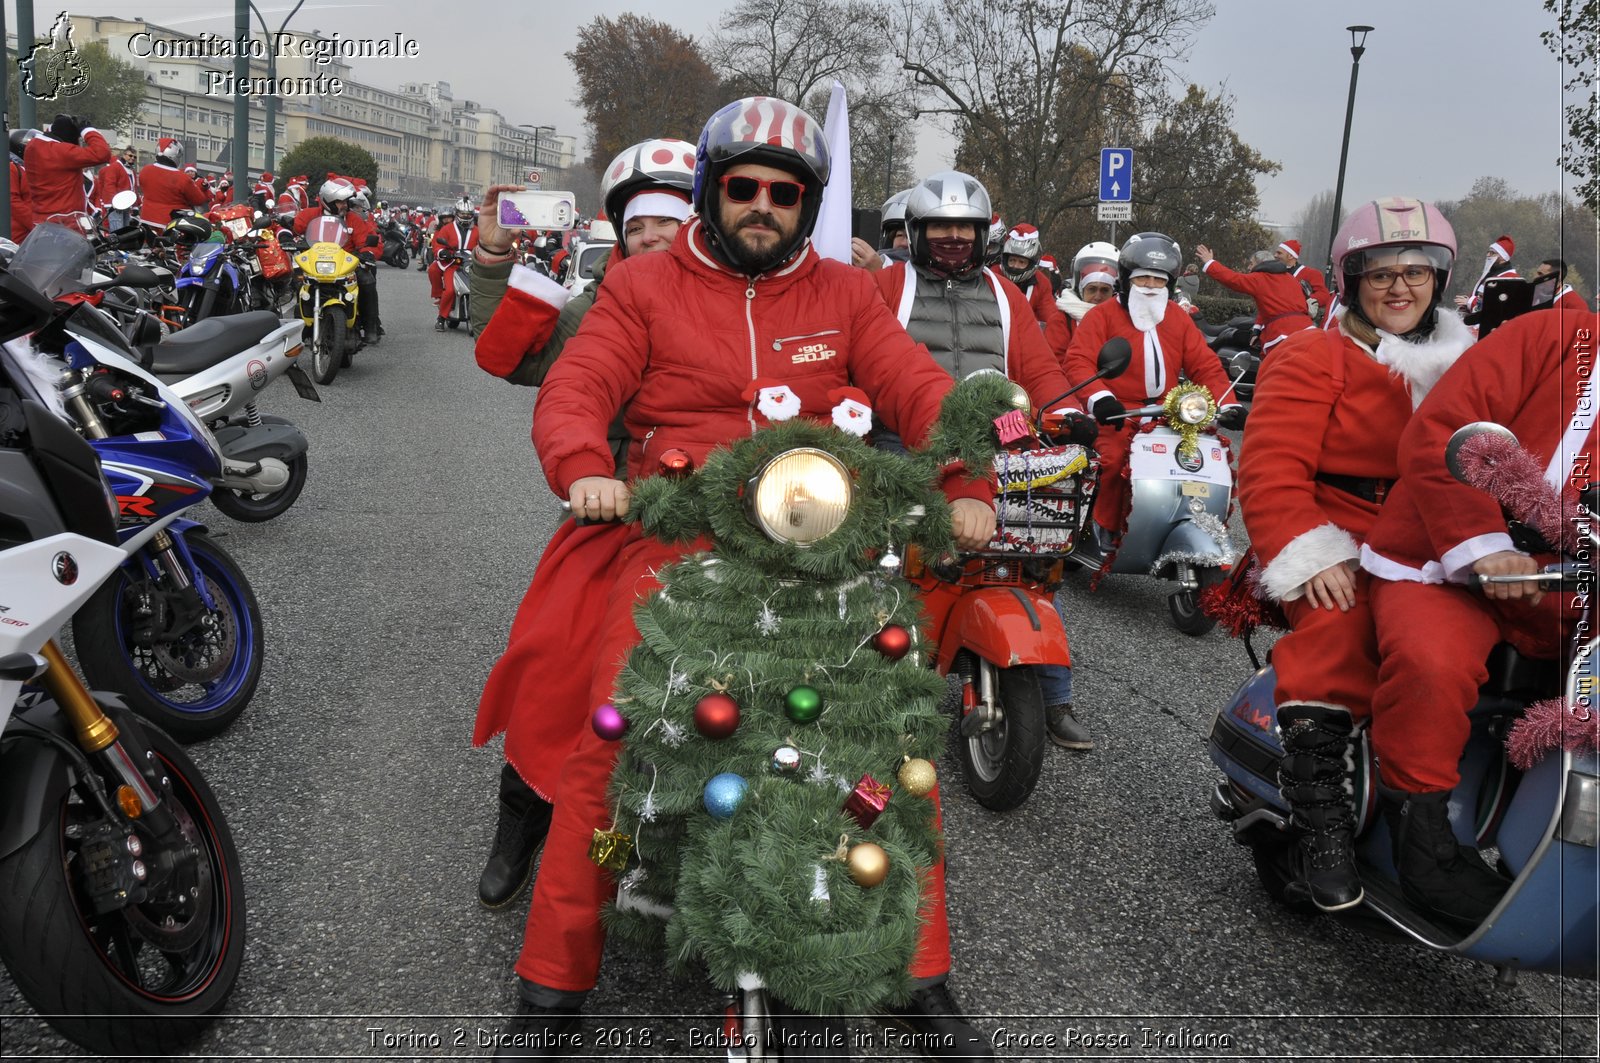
(54, 259)
(326, 230)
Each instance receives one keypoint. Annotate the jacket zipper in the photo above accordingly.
(750, 323)
(777, 344)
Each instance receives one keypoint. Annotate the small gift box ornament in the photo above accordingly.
(866, 802)
(610, 849)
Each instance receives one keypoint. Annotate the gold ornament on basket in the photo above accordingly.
(918, 777)
(1189, 433)
(610, 849)
(868, 864)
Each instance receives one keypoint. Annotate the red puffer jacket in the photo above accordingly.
(681, 339)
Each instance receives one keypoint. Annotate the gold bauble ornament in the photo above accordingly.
(917, 777)
(868, 864)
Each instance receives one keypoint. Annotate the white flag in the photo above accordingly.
(831, 237)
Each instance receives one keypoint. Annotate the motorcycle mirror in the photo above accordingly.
(1452, 449)
(124, 200)
(259, 215)
(1114, 357)
(372, 240)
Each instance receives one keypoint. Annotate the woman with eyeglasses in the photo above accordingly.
(1317, 461)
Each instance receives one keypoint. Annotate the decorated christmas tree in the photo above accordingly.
(773, 815)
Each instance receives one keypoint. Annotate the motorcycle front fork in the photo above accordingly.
(980, 708)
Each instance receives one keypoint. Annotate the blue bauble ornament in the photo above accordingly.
(724, 793)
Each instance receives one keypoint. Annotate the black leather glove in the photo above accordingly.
(1232, 418)
(1107, 410)
(366, 257)
(1081, 428)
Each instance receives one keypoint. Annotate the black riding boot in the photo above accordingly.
(524, 821)
(545, 1026)
(1437, 873)
(935, 1024)
(1316, 777)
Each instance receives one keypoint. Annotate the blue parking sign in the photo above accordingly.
(1116, 175)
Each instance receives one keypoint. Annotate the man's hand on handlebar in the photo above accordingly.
(972, 522)
(1107, 410)
(598, 498)
(1509, 563)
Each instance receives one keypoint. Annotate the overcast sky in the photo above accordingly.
(1448, 92)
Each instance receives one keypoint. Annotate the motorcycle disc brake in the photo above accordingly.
(204, 651)
(177, 913)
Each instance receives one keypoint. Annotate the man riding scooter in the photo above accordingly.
(360, 237)
(451, 244)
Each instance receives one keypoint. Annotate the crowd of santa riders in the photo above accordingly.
(641, 360)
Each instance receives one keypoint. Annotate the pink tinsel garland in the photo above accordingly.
(1512, 477)
(1549, 725)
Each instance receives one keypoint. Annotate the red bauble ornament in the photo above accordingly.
(716, 716)
(894, 642)
(676, 464)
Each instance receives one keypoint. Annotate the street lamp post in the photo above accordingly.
(272, 77)
(1358, 45)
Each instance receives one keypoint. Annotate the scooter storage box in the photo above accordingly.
(274, 259)
(1042, 499)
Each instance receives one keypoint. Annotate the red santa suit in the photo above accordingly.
(685, 386)
(55, 173)
(1317, 461)
(1280, 301)
(1433, 633)
(450, 235)
(166, 189)
(112, 178)
(1318, 285)
(357, 228)
(1057, 325)
(21, 204)
(1174, 346)
(1028, 359)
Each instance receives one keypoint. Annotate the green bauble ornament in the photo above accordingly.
(803, 704)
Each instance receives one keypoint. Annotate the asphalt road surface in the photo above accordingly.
(1110, 917)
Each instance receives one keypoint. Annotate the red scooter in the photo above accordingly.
(992, 615)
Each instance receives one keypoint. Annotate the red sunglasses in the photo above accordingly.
(745, 190)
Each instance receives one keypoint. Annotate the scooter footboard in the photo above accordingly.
(1006, 625)
(270, 439)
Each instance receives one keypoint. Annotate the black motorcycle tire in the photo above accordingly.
(108, 665)
(1276, 871)
(1002, 765)
(252, 509)
(1184, 606)
(329, 353)
(66, 962)
(402, 258)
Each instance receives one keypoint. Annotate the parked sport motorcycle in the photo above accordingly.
(177, 631)
(1181, 488)
(124, 921)
(992, 613)
(1542, 820)
(328, 298)
(456, 268)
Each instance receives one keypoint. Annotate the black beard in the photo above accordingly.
(759, 260)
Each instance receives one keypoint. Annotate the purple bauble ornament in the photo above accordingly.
(608, 723)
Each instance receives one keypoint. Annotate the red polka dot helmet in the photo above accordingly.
(664, 163)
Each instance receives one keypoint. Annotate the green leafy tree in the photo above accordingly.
(110, 99)
(639, 78)
(320, 156)
(1576, 42)
(1543, 226)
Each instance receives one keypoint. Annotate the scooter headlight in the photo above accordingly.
(326, 267)
(800, 496)
(1194, 408)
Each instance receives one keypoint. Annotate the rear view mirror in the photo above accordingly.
(1453, 458)
(1114, 357)
(124, 200)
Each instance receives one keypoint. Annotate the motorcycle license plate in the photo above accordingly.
(1196, 490)
(302, 384)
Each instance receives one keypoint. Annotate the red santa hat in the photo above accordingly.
(1503, 247)
(1048, 262)
(1024, 233)
(266, 175)
(525, 320)
(169, 148)
(1291, 246)
(190, 170)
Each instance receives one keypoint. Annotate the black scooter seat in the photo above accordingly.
(205, 343)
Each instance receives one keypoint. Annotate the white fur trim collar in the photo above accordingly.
(1421, 365)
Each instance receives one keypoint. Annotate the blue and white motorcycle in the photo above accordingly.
(177, 631)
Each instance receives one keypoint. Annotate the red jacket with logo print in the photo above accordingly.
(680, 339)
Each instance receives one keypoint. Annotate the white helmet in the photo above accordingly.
(1097, 261)
(893, 216)
(664, 163)
(336, 190)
